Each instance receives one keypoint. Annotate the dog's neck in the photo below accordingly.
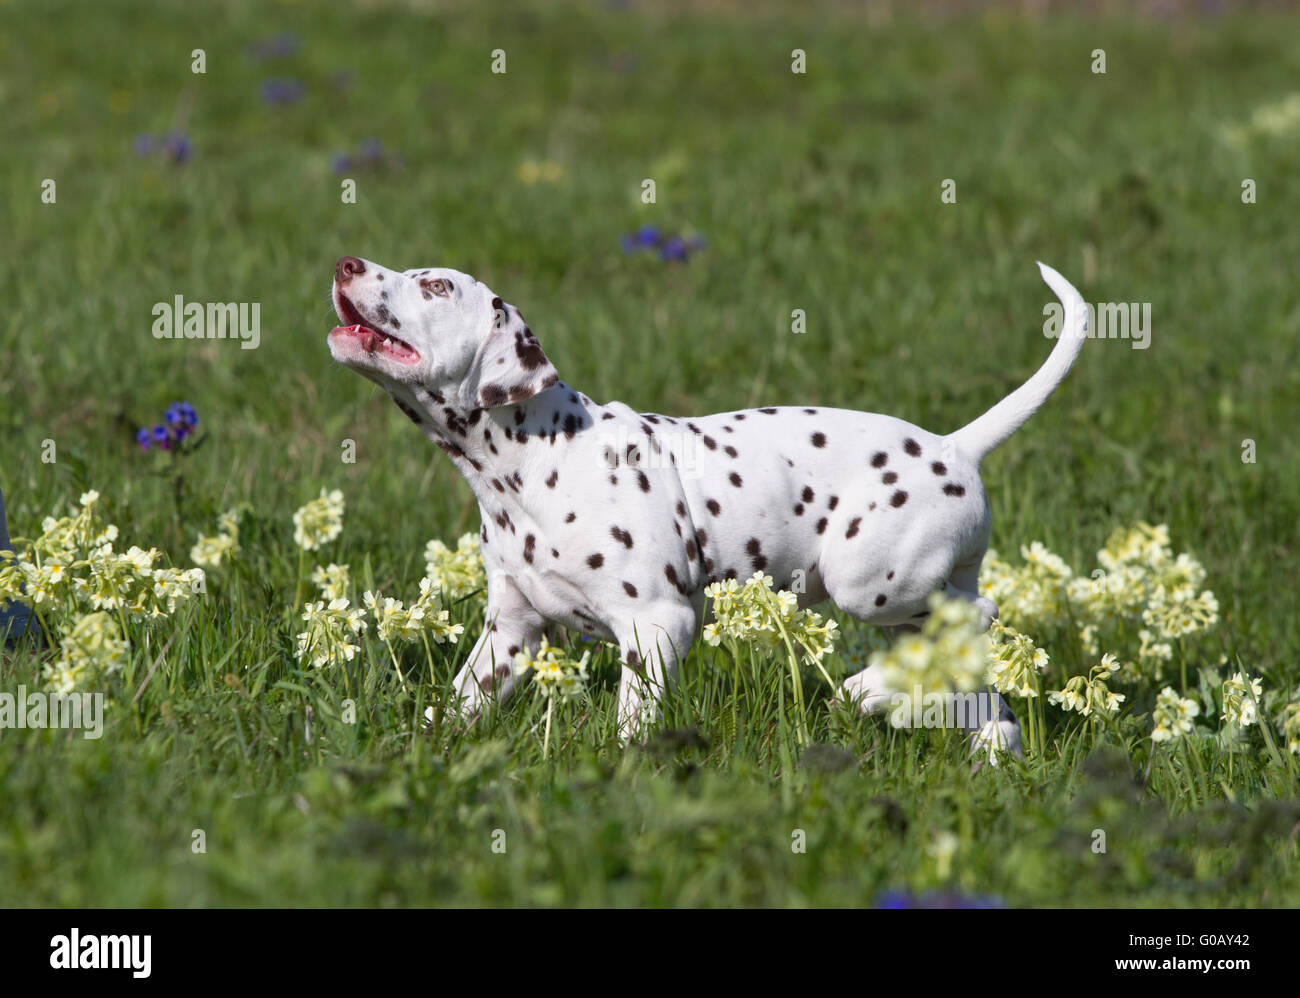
(487, 444)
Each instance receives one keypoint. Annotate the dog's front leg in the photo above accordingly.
(651, 649)
(510, 625)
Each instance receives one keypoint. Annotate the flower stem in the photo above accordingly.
(546, 741)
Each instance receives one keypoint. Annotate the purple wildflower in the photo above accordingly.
(935, 899)
(280, 46)
(370, 156)
(674, 248)
(179, 423)
(671, 247)
(646, 237)
(282, 91)
(177, 147)
(173, 145)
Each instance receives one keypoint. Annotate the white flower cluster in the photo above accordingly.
(1014, 661)
(1241, 698)
(754, 613)
(212, 551)
(319, 522)
(557, 674)
(950, 652)
(73, 564)
(1141, 587)
(458, 573)
(93, 647)
(1291, 726)
(333, 623)
(333, 581)
(330, 629)
(1173, 716)
(394, 621)
(1090, 695)
(72, 577)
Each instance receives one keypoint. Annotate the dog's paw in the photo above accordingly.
(988, 611)
(862, 692)
(993, 739)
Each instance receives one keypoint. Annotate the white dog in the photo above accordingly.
(593, 517)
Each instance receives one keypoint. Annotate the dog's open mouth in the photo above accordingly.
(368, 337)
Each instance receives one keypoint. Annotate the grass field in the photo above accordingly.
(818, 191)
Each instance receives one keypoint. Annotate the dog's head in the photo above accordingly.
(438, 329)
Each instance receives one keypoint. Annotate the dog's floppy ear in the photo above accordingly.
(511, 364)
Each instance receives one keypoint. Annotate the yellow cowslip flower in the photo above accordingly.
(425, 617)
(334, 581)
(110, 580)
(140, 561)
(75, 561)
(1033, 595)
(392, 619)
(1173, 617)
(437, 622)
(1173, 716)
(555, 672)
(1282, 117)
(319, 521)
(758, 615)
(950, 652)
(943, 849)
(1291, 726)
(1013, 660)
(1141, 586)
(457, 573)
(1241, 697)
(532, 171)
(1090, 695)
(211, 551)
(330, 628)
(93, 648)
(173, 585)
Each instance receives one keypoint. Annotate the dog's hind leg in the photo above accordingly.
(983, 713)
(994, 724)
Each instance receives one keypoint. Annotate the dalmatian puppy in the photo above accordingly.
(611, 522)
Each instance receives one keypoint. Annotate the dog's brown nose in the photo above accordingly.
(347, 268)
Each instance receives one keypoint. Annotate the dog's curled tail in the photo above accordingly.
(978, 438)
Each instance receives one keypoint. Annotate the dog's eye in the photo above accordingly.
(440, 287)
